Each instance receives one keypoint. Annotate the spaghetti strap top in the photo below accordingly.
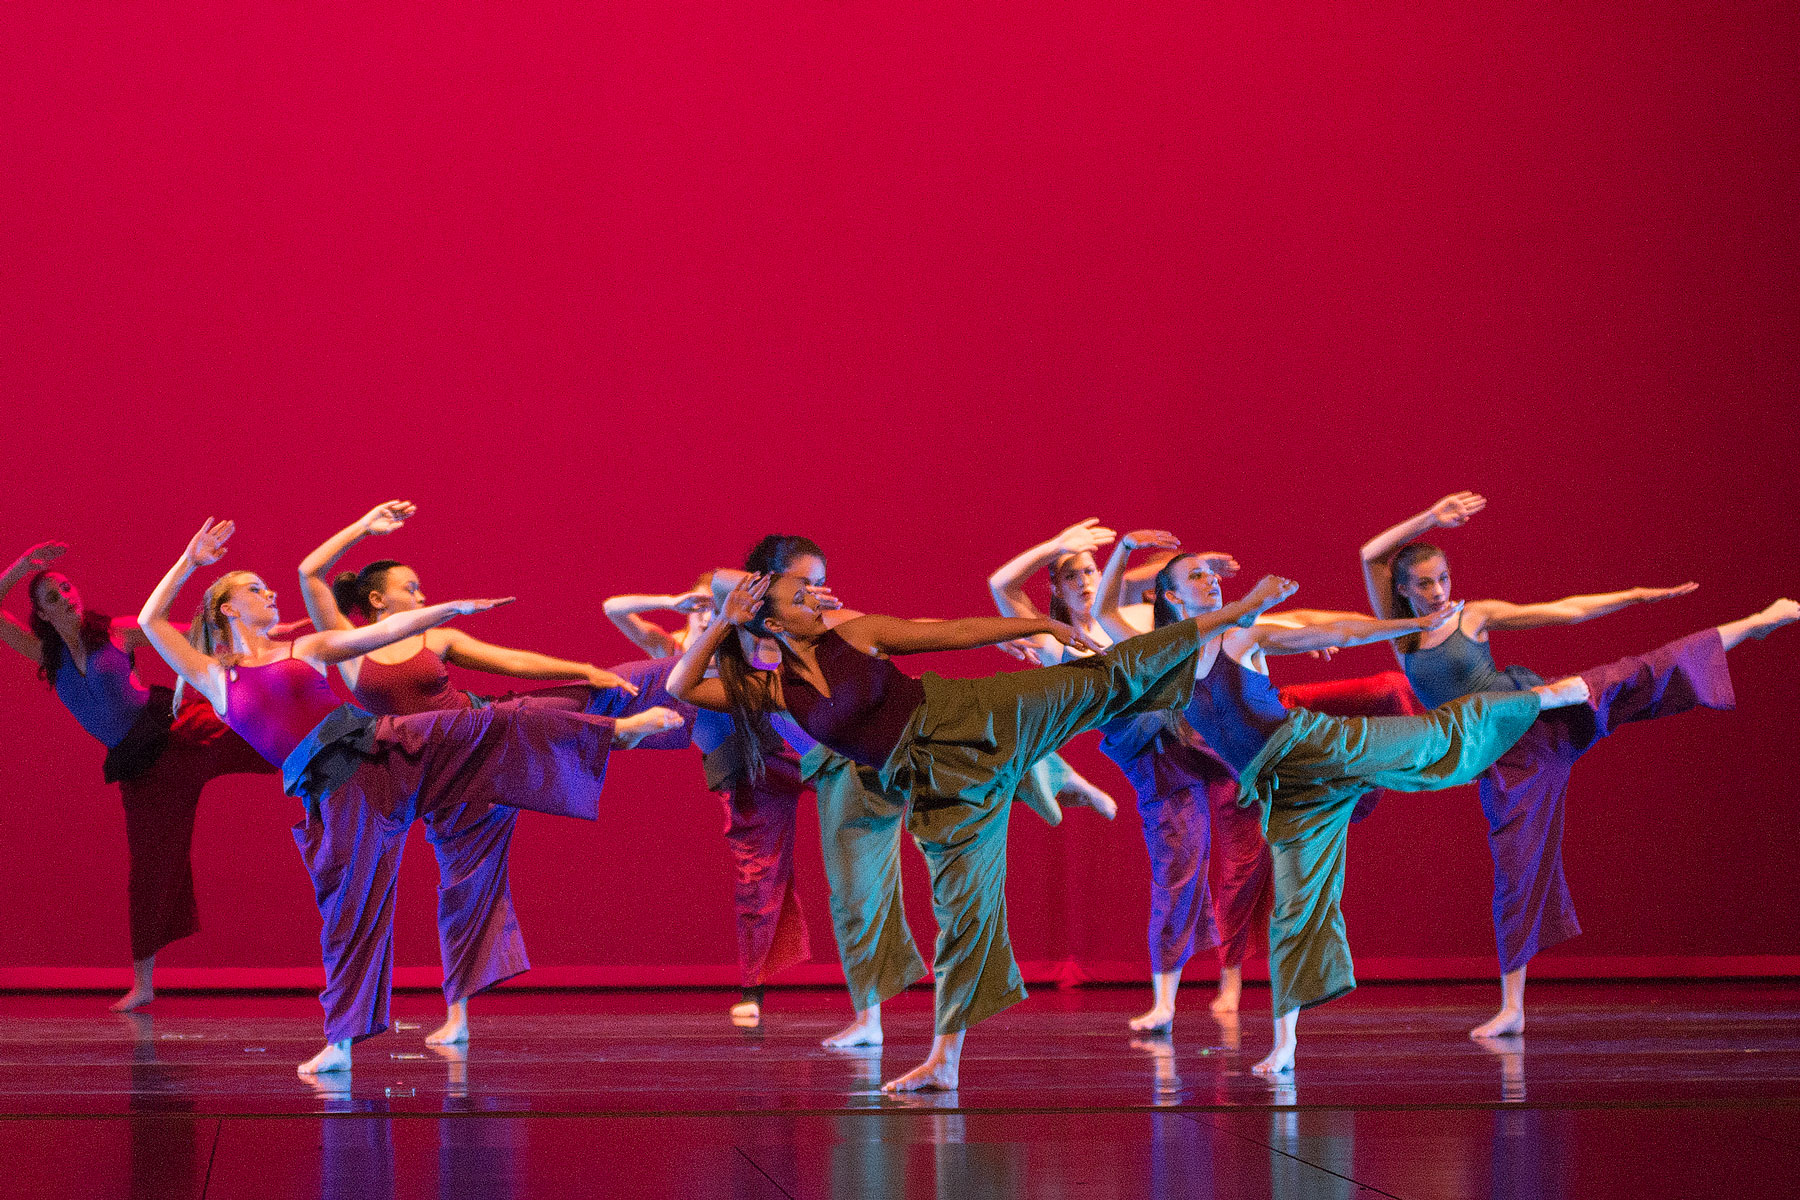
(871, 703)
(414, 685)
(276, 705)
(1235, 710)
(106, 700)
(1460, 666)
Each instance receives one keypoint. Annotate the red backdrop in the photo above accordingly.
(610, 291)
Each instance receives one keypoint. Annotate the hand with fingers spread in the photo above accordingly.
(208, 546)
(1455, 510)
(822, 598)
(601, 678)
(1021, 649)
(1219, 563)
(385, 518)
(1145, 539)
(1086, 536)
(745, 600)
(1072, 637)
(469, 607)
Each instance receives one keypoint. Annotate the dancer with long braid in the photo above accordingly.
(1325, 764)
(1523, 795)
(160, 758)
(955, 749)
(364, 779)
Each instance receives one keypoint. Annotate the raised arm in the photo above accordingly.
(1378, 552)
(315, 568)
(651, 638)
(687, 679)
(478, 655)
(1570, 610)
(199, 671)
(1112, 580)
(1344, 631)
(1008, 583)
(13, 631)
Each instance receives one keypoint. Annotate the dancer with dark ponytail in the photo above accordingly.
(478, 931)
(1324, 766)
(160, 758)
(955, 749)
(364, 779)
(1523, 795)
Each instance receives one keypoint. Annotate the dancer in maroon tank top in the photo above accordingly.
(363, 778)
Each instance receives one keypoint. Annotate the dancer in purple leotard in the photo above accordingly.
(1522, 794)
(478, 932)
(363, 778)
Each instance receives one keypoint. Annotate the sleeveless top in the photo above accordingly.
(1460, 666)
(871, 703)
(106, 700)
(414, 685)
(1235, 710)
(275, 706)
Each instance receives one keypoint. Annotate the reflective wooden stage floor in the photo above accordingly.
(1630, 1090)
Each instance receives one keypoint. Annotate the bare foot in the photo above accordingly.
(747, 1014)
(1782, 612)
(137, 997)
(629, 731)
(1041, 802)
(932, 1075)
(1506, 1021)
(864, 1031)
(1563, 693)
(334, 1057)
(1160, 1019)
(455, 1029)
(1287, 1039)
(1231, 991)
(1082, 794)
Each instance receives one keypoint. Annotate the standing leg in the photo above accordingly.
(1177, 834)
(1243, 888)
(759, 829)
(859, 831)
(478, 931)
(159, 840)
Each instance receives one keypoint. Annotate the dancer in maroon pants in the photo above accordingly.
(1522, 794)
(160, 759)
(363, 778)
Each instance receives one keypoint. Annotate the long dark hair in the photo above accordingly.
(1163, 611)
(96, 631)
(351, 588)
(1409, 556)
(745, 689)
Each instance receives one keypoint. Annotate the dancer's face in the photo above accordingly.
(400, 592)
(1427, 586)
(252, 604)
(791, 606)
(1196, 587)
(1077, 581)
(56, 599)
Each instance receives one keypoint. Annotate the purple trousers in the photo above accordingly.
(1522, 794)
(459, 763)
(759, 829)
(159, 824)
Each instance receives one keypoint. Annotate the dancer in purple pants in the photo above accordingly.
(1522, 794)
(478, 931)
(364, 779)
(161, 759)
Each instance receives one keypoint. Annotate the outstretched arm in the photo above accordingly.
(199, 671)
(651, 638)
(336, 645)
(1008, 583)
(894, 635)
(315, 568)
(1570, 610)
(478, 655)
(13, 631)
(1378, 552)
(1345, 631)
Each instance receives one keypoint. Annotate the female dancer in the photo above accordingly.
(478, 932)
(161, 759)
(956, 749)
(364, 778)
(1324, 765)
(760, 810)
(1522, 796)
